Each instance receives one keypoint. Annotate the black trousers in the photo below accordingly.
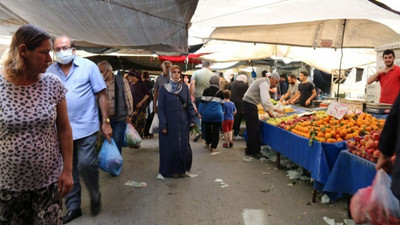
(212, 133)
(238, 117)
(253, 127)
(149, 120)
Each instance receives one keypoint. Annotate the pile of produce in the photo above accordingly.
(366, 147)
(325, 128)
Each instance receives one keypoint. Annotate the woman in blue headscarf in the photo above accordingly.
(176, 115)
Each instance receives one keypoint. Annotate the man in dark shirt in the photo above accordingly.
(389, 144)
(283, 87)
(306, 92)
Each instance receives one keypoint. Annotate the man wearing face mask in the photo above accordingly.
(120, 102)
(84, 82)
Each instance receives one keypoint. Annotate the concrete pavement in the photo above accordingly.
(258, 193)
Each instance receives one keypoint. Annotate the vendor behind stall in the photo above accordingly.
(389, 78)
(306, 92)
(258, 92)
(292, 90)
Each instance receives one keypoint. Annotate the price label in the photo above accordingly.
(337, 110)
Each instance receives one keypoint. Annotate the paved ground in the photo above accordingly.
(258, 193)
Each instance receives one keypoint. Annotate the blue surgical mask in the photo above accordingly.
(64, 56)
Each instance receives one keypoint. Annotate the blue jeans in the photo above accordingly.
(199, 122)
(118, 129)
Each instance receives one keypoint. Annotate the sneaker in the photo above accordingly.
(237, 137)
(258, 155)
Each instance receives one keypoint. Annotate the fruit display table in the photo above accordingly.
(318, 159)
(349, 174)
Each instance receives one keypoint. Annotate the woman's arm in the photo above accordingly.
(64, 131)
(162, 117)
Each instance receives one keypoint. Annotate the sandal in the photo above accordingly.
(230, 145)
(225, 145)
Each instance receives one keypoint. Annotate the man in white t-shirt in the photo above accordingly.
(200, 80)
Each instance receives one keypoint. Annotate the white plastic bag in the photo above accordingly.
(384, 207)
(376, 204)
(132, 137)
(154, 125)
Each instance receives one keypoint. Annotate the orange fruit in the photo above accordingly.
(348, 136)
(327, 135)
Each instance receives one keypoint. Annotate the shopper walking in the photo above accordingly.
(36, 137)
(227, 125)
(210, 110)
(120, 102)
(149, 108)
(238, 89)
(140, 93)
(84, 83)
(177, 116)
(198, 83)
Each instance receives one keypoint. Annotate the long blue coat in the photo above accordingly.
(175, 151)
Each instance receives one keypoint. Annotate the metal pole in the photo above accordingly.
(341, 58)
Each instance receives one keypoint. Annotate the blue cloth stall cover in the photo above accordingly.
(349, 174)
(318, 159)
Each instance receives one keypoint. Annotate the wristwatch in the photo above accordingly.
(106, 120)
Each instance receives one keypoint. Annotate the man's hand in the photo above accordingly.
(128, 119)
(384, 163)
(107, 131)
(308, 102)
(270, 114)
(384, 70)
(280, 111)
(139, 105)
(65, 183)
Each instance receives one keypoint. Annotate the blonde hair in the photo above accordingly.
(29, 35)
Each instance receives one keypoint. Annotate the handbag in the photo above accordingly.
(205, 104)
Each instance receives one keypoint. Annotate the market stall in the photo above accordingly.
(349, 174)
(330, 149)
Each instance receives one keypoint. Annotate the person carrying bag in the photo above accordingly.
(210, 110)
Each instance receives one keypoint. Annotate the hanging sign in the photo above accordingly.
(337, 110)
